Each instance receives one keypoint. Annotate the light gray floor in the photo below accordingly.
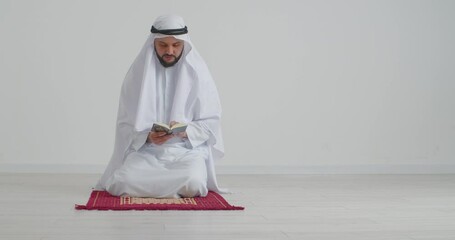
(354, 207)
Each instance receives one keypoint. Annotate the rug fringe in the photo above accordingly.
(80, 207)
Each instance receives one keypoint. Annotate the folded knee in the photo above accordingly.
(194, 186)
(117, 184)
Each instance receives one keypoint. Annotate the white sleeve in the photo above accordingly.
(197, 134)
(139, 139)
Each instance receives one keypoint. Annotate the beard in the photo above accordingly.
(168, 64)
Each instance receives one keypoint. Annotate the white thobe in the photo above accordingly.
(174, 169)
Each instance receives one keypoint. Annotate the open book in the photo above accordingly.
(176, 128)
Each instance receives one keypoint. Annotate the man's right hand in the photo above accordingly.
(158, 137)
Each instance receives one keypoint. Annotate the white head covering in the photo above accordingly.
(196, 98)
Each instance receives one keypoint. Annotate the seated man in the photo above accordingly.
(168, 82)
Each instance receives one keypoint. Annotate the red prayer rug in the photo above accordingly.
(102, 200)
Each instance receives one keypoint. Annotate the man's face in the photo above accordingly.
(168, 50)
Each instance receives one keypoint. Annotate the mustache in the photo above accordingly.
(169, 55)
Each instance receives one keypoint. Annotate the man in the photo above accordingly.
(168, 82)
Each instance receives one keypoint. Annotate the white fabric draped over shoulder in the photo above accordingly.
(195, 101)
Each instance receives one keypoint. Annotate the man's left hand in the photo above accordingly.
(180, 134)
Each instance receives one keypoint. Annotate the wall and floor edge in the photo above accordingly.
(248, 169)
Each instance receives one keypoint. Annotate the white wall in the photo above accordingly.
(306, 86)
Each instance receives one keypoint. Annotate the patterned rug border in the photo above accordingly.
(102, 200)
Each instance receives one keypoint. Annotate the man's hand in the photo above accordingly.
(180, 134)
(158, 137)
